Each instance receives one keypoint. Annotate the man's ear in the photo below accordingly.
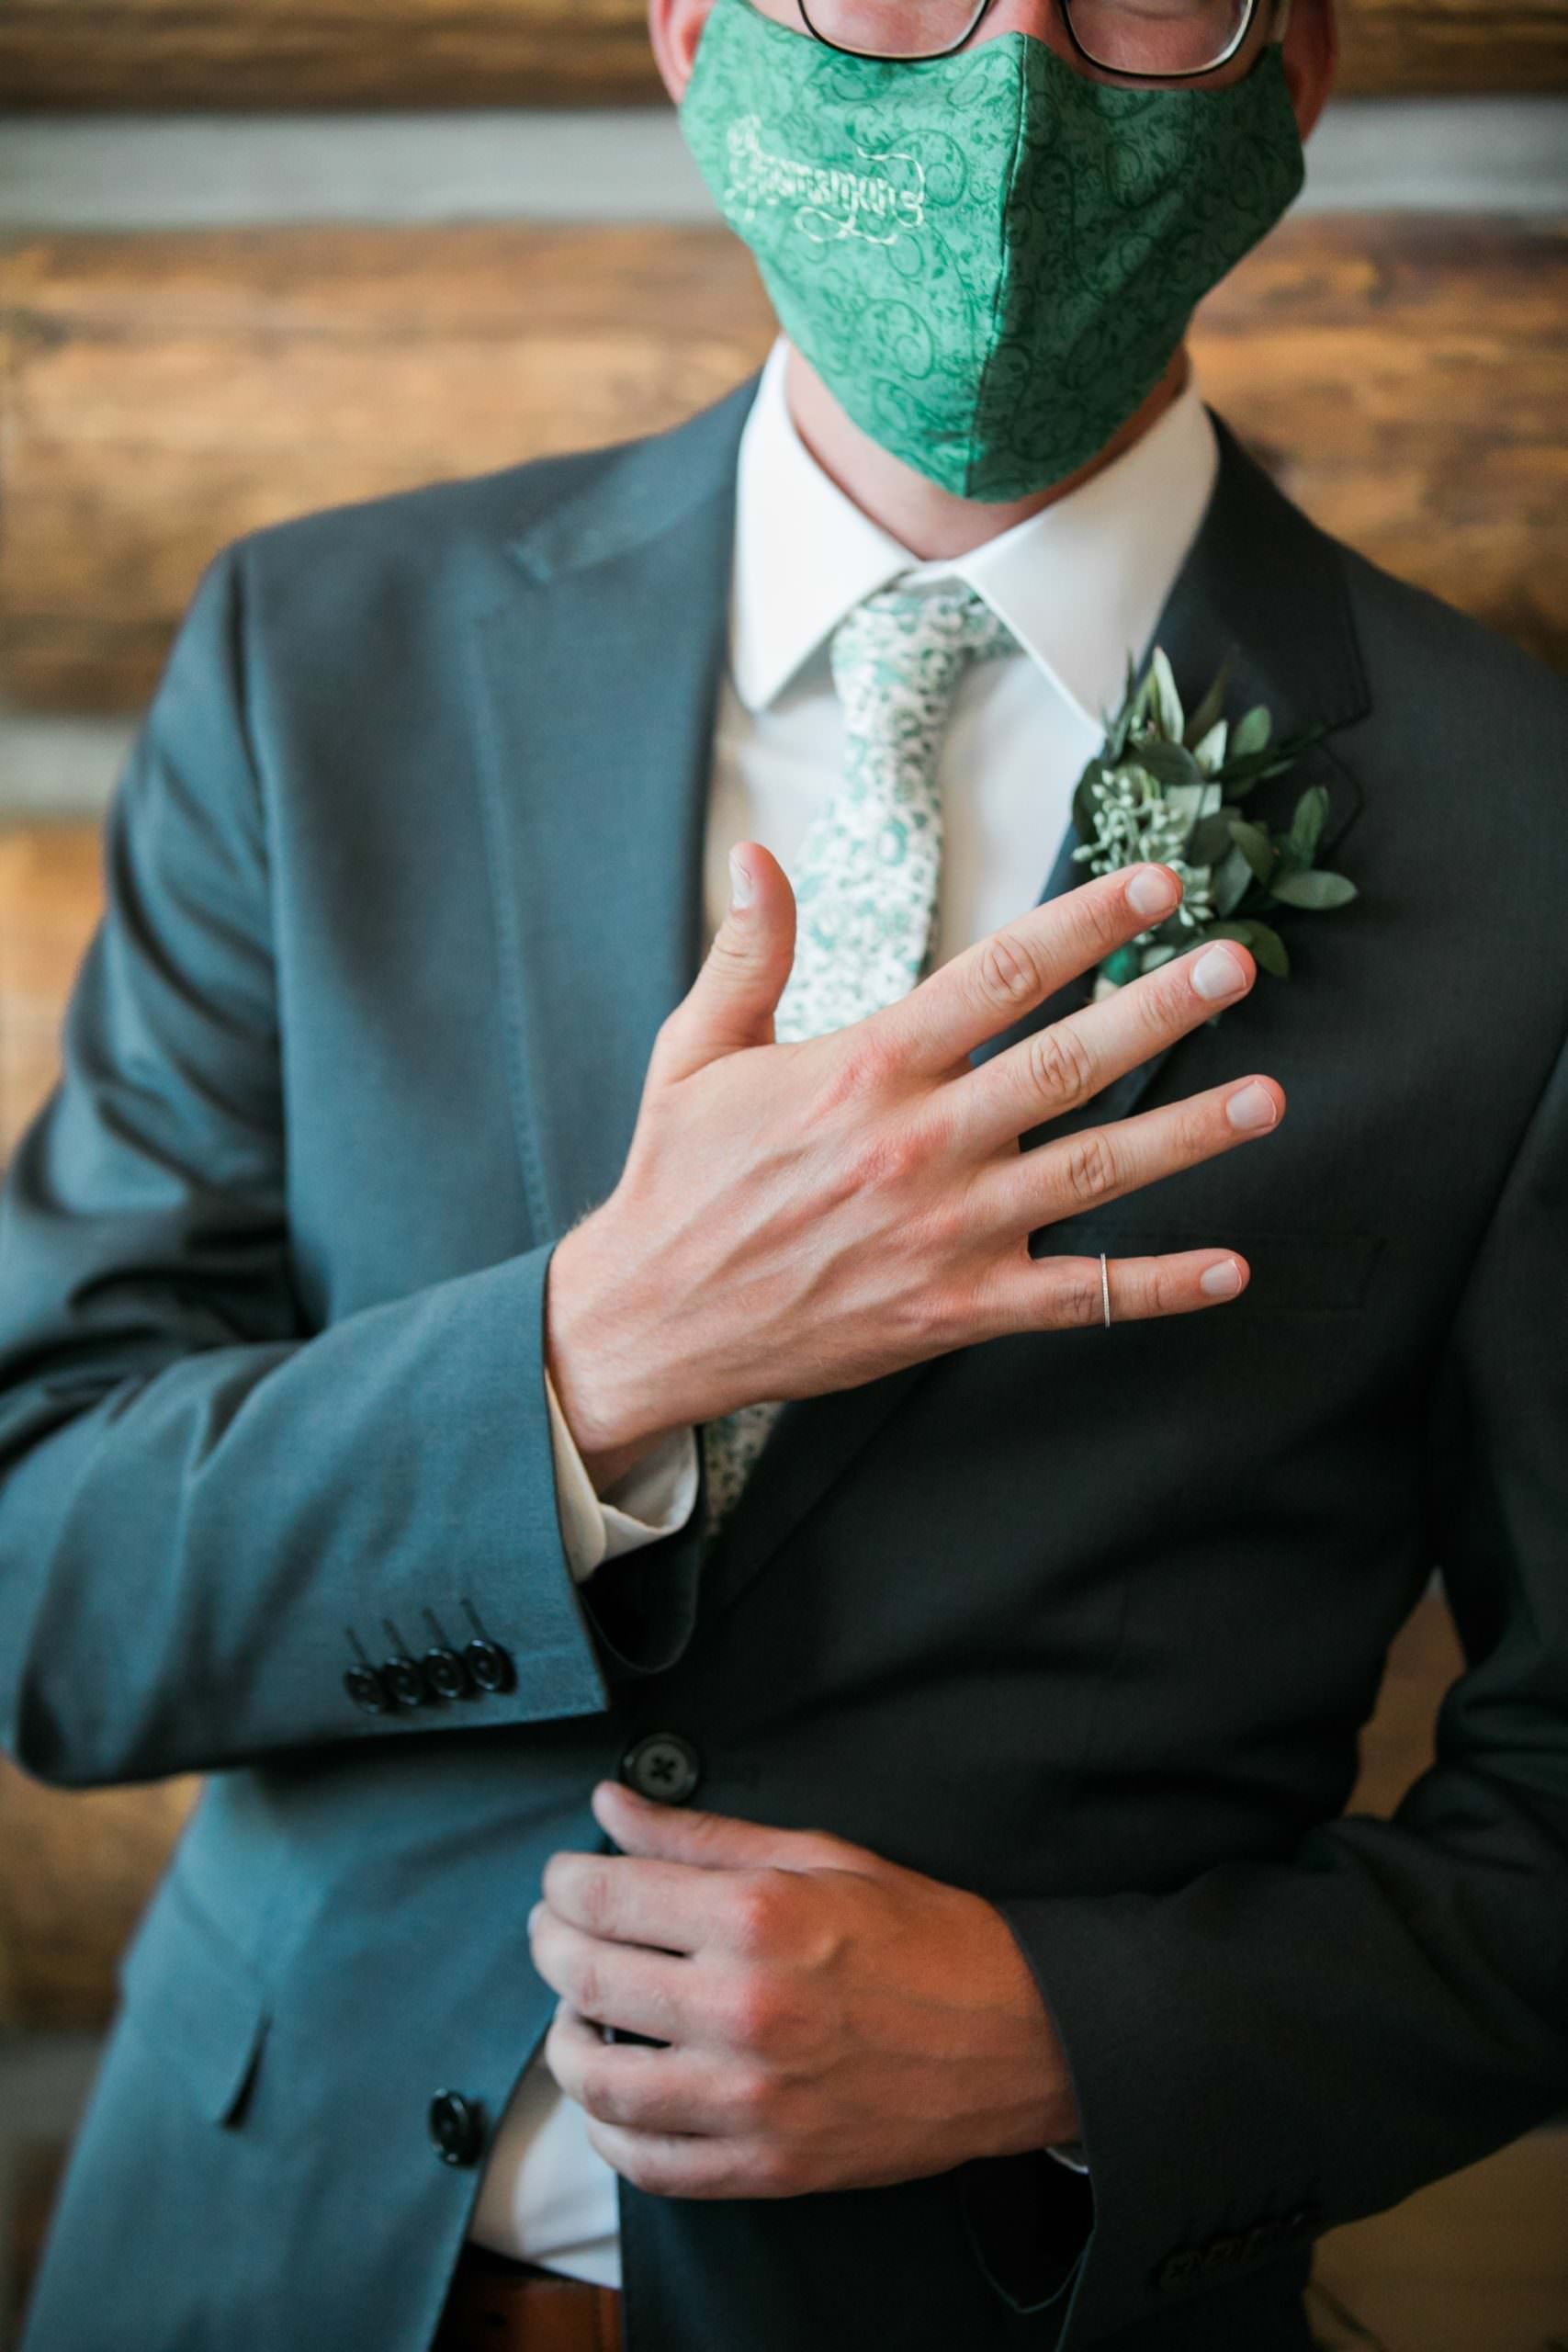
(674, 27)
(1310, 58)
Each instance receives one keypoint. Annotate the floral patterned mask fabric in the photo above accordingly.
(988, 258)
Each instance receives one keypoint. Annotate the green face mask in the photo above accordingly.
(988, 258)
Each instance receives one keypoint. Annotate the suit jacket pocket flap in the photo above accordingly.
(194, 1999)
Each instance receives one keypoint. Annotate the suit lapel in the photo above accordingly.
(593, 738)
(595, 681)
(1262, 592)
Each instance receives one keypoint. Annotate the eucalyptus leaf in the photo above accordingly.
(1185, 802)
(1168, 700)
(1166, 762)
(1270, 948)
(1265, 944)
(1255, 845)
(1159, 953)
(1251, 734)
(1210, 841)
(1208, 710)
(1116, 740)
(1315, 889)
(1210, 750)
(1239, 772)
(1307, 824)
(1233, 879)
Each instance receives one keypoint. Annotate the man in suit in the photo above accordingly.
(497, 1342)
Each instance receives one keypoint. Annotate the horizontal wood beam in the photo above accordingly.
(164, 393)
(174, 53)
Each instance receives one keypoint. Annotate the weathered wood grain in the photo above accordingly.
(116, 53)
(1475, 2262)
(51, 891)
(77, 1868)
(162, 394)
(145, 53)
(1409, 47)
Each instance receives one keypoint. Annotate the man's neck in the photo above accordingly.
(930, 521)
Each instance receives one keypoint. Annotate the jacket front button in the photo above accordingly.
(456, 2128)
(663, 1766)
(366, 1689)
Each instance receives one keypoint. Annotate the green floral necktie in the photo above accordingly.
(866, 874)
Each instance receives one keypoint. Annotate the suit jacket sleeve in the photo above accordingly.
(202, 1498)
(1275, 2049)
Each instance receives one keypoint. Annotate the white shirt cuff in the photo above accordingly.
(1070, 2153)
(654, 1498)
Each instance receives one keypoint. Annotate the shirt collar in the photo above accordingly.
(1081, 585)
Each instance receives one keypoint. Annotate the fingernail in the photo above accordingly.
(1153, 890)
(1221, 1281)
(739, 882)
(1218, 973)
(1253, 1107)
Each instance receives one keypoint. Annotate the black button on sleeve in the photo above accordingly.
(456, 2128)
(446, 1674)
(1178, 2268)
(404, 1677)
(662, 1765)
(366, 1689)
(490, 1665)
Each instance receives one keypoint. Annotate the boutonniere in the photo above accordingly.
(1169, 788)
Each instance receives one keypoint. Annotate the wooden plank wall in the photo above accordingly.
(509, 53)
(164, 393)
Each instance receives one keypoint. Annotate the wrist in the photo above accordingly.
(602, 1366)
(1046, 2116)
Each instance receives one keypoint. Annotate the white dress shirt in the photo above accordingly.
(1081, 585)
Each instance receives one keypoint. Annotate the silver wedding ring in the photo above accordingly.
(1105, 1289)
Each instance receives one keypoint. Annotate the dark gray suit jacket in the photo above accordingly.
(402, 877)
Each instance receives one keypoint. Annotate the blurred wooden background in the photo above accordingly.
(162, 392)
(1404, 378)
(584, 52)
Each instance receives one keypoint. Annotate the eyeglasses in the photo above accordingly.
(1164, 40)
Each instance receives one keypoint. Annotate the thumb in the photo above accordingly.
(717, 1841)
(731, 1002)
